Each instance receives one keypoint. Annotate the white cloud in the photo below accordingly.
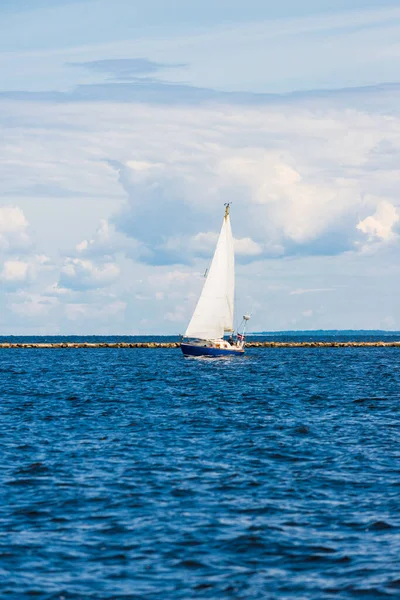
(247, 247)
(310, 178)
(80, 274)
(178, 315)
(14, 271)
(101, 240)
(107, 243)
(380, 224)
(32, 305)
(13, 229)
(203, 244)
(78, 311)
(170, 278)
(291, 190)
(42, 259)
(292, 206)
(55, 289)
(302, 194)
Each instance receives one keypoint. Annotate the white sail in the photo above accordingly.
(214, 311)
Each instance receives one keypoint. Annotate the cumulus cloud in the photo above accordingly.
(170, 278)
(16, 273)
(178, 315)
(185, 249)
(107, 243)
(157, 210)
(304, 181)
(13, 229)
(54, 289)
(292, 191)
(204, 243)
(247, 247)
(293, 210)
(32, 305)
(100, 243)
(76, 311)
(283, 212)
(80, 274)
(380, 225)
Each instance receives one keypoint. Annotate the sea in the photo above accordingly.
(141, 474)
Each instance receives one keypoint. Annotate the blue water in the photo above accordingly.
(130, 473)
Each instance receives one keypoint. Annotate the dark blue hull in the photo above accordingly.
(192, 350)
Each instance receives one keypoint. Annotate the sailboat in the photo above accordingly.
(213, 315)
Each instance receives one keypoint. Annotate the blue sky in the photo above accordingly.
(127, 125)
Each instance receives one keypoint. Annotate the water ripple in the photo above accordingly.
(138, 474)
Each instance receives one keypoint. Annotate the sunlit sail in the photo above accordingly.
(213, 315)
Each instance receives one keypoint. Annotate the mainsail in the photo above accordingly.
(214, 311)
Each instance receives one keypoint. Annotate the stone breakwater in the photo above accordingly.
(349, 344)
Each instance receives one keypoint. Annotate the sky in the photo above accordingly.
(125, 127)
